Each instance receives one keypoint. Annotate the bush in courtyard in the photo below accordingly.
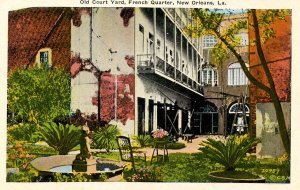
(228, 152)
(60, 137)
(143, 140)
(175, 145)
(38, 94)
(105, 137)
(19, 158)
(22, 132)
(145, 174)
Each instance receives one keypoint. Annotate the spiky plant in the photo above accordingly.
(60, 137)
(105, 137)
(228, 152)
(143, 140)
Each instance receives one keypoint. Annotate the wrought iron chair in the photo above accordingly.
(126, 152)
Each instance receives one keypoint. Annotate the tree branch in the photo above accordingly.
(260, 51)
(241, 61)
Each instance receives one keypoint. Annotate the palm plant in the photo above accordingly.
(143, 140)
(60, 137)
(228, 152)
(105, 137)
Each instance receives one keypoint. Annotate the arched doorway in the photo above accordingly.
(236, 109)
(205, 119)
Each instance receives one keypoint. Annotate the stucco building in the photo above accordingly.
(167, 81)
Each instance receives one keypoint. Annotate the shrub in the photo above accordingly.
(22, 132)
(38, 94)
(60, 137)
(146, 174)
(18, 157)
(175, 146)
(143, 140)
(105, 137)
(77, 177)
(228, 152)
(39, 150)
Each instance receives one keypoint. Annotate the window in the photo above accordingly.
(158, 44)
(215, 77)
(150, 44)
(141, 28)
(244, 39)
(209, 41)
(44, 57)
(239, 108)
(236, 75)
(141, 38)
(209, 75)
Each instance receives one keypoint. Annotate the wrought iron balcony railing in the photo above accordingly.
(146, 64)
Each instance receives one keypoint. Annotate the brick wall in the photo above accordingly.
(278, 55)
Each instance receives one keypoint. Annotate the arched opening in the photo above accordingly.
(237, 110)
(205, 119)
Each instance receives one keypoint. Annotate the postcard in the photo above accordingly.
(149, 94)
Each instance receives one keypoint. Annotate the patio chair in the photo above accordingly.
(126, 152)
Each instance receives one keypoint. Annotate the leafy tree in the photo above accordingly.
(209, 22)
(38, 94)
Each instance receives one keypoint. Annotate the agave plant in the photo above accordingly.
(228, 152)
(143, 140)
(105, 137)
(60, 137)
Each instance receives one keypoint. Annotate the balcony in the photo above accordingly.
(166, 74)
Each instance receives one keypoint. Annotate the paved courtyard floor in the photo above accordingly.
(189, 147)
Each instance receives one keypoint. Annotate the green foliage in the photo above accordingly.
(23, 176)
(18, 157)
(172, 145)
(105, 137)
(40, 150)
(60, 137)
(175, 145)
(107, 155)
(143, 140)
(146, 174)
(228, 152)
(186, 168)
(38, 94)
(77, 177)
(22, 132)
(272, 169)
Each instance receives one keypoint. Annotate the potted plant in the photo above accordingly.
(229, 152)
(160, 135)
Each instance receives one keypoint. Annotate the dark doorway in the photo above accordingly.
(161, 116)
(141, 116)
(236, 109)
(151, 110)
(205, 119)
